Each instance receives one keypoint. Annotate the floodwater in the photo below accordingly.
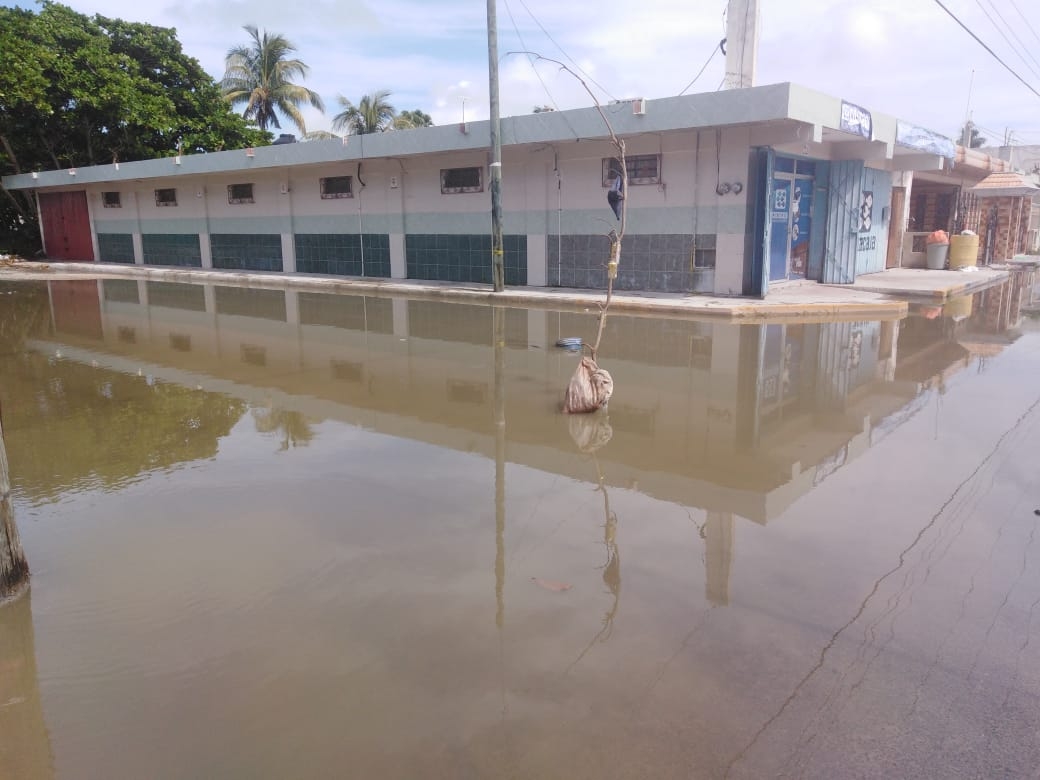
(290, 535)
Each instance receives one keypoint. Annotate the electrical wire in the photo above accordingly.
(992, 53)
(565, 54)
(1028, 24)
(1003, 34)
(704, 67)
(529, 57)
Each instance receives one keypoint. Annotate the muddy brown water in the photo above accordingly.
(287, 534)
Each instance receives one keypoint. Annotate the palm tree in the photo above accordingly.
(372, 114)
(260, 75)
(406, 120)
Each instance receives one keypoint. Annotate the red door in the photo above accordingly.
(66, 226)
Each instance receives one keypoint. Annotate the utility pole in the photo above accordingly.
(742, 19)
(497, 251)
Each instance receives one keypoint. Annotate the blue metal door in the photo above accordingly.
(779, 229)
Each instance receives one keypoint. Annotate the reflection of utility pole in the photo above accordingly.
(28, 746)
(718, 556)
(499, 335)
(500, 462)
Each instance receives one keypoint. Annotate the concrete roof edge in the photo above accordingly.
(669, 114)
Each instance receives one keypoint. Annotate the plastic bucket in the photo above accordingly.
(964, 251)
(935, 256)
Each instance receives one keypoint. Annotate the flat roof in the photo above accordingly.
(785, 102)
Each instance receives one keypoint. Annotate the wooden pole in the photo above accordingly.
(14, 570)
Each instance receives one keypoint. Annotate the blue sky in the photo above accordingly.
(902, 57)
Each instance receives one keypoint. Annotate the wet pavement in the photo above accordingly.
(278, 532)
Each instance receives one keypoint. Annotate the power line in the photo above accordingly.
(987, 48)
(565, 54)
(716, 50)
(529, 57)
(1030, 26)
(1007, 40)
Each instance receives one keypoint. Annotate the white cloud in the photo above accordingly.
(898, 57)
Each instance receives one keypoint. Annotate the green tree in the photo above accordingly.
(406, 120)
(372, 114)
(260, 75)
(78, 90)
(971, 135)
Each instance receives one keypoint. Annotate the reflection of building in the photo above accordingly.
(735, 420)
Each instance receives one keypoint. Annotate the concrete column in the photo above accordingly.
(205, 251)
(537, 260)
(398, 261)
(288, 253)
(138, 247)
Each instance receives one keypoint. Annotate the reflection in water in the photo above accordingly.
(590, 432)
(293, 427)
(25, 751)
(799, 451)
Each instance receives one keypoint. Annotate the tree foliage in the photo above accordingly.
(78, 90)
(406, 120)
(260, 76)
(971, 134)
(373, 114)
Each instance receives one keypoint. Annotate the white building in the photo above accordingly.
(729, 192)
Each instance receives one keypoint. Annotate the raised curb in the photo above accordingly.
(834, 306)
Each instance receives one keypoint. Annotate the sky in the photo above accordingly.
(907, 58)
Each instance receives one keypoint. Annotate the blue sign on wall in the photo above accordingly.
(856, 120)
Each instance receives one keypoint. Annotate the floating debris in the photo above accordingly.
(571, 343)
(555, 587)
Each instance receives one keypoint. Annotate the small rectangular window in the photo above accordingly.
(704, 250)
(337, 187)
(642, 169)
(111, 200)
(240, 193)
(166, 197)
(461, 180)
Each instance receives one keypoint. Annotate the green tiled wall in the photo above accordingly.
(673, 262)
(172, 249)
(341, 254)
(247, 252)
(465, 258)
(116, 247)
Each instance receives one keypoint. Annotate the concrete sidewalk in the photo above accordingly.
(937, 286)
(873, 297)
